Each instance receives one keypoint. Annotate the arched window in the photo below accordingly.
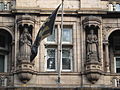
(5, 49)
(114, 51)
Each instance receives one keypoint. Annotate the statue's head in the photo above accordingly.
(25, 30)
(91, 31)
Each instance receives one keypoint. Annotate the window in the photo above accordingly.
(114, 7)
(5, 5)
(1, 5)
(2, 59)
(117, 7)
(52, 38)
(67, 35)
(2, 41)
(52, 59)
(51, 62)
(117, 64)
(66, 59)
(53, 49)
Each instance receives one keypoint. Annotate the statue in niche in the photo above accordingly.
(25, 45)
(92, 47)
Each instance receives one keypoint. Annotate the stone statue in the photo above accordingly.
(25, 45)
(92, 47)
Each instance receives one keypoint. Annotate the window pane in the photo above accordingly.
(117, 62)
(66, 53)
(2, 41)
(50, 58)
(117, 65)
(1, 6)
(51, 63)
(51, 52)
(2, 63)
(51, 38)
(66, 59)
(67, 35)
(117, 7)
(66, 63)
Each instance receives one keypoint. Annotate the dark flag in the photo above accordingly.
(45, 30)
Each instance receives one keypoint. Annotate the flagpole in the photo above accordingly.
(60, 58)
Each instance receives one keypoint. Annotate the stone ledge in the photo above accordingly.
(59, 88)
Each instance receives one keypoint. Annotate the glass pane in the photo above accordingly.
(118, 70)
(51, 52)
(1, 6)
(66, 63)
(117, 7)
(2, 63)
(2, 41)
(50, 58)
(67, 35)
(51, 38)
(66, 59)
(51, 63)
(66, 53)
(117, 62)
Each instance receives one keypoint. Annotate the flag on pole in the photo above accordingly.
(45, 30)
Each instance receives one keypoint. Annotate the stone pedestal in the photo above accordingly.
(93, 72)
(25, 71)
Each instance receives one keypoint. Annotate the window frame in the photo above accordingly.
(115, 64)
(46, 58)
(65, 45)
(71, 29)
(5, 63)
(56, 36)
(71, 60)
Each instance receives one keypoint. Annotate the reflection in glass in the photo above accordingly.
(67, 35)
(117, 7)
(50, 58)
(117, 65)
(66, 59)
(2, 63)
(51, 38)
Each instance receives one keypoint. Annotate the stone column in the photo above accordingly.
(107, 56)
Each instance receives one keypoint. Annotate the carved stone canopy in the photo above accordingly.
(25, 20)
(91, 22)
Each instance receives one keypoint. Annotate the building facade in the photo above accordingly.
(90, 44)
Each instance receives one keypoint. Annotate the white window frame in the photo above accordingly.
(63, 42)
(110, 7)
(115, 63)
(46, 69)
(71, 60)
(56, 38)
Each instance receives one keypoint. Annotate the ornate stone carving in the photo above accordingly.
(92, 47)
(25, 68)
(25, 43)
(93, 63)
(106, 29)
(91, 21)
